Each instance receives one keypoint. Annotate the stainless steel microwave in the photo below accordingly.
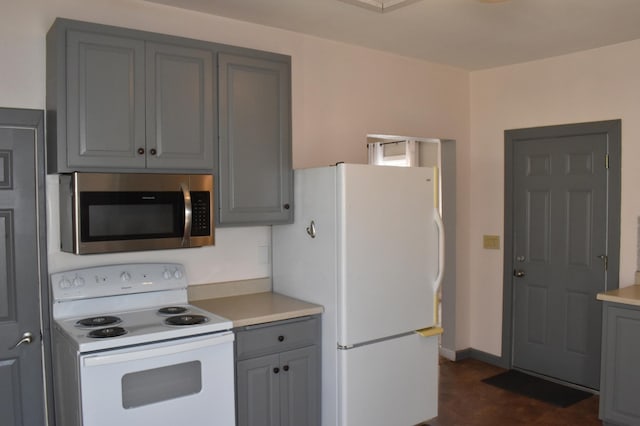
(115, 212)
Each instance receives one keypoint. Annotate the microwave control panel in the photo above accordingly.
(200, 213)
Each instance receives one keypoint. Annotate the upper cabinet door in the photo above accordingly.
(255, 140)
(105, 101)
(180, 107)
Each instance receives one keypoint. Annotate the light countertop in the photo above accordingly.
(628, 295)
(258, 308)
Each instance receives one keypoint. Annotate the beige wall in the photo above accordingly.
(594, 85)
(341, 93)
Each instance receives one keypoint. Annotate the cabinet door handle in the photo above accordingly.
(285, 368)
(140, 151)
(287, 206)
(280, 338)
(276, 370)
(153, 151)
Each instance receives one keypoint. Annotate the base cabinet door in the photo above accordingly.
(620, 374)
(258, 391)
(299, 384)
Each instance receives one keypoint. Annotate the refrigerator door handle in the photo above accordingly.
(430, 331)
(342, 347)
(440, 225)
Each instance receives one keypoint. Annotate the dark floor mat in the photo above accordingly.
(537, 388)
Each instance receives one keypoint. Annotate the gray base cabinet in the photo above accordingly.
(256, 175)
(620, 374)
(117, 100)
(278, 373)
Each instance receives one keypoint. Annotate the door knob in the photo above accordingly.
(519, 274)
(26, 339)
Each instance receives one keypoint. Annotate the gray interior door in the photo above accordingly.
(21, 268)
(560, 251)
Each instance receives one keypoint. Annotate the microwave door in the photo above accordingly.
(133, 220)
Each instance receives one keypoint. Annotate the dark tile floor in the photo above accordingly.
(466, 401)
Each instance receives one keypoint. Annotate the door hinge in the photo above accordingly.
(606, 161)
(605, 261)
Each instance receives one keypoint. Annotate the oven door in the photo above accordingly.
(180, 382)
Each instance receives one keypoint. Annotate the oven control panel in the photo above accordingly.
(111, 280)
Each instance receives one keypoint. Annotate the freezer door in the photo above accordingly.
(387, 251)
(394, 382)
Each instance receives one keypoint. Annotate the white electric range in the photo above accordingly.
(129, 349)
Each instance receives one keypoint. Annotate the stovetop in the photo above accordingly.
(133, 294)
(140, 326)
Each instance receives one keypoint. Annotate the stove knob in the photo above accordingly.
(78, 282)
(125, 276)
(177, 274)
(167, 274)
(65, 283)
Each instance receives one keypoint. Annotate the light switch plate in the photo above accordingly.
(491, 242)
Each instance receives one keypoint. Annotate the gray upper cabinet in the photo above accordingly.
(180, 107)
(256, 177)
(120, 100)
(105, 101)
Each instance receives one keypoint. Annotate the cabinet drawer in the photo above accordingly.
(276, 337)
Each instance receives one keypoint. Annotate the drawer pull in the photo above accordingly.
(280, 338)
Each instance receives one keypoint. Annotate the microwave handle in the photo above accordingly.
(187, 214)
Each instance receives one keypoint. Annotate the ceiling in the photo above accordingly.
(467, 34)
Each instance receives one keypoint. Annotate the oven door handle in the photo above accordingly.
(140, 353)
(186, 194)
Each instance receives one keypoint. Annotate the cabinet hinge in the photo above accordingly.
(606, 161)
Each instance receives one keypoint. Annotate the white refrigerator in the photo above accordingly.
(367, 244)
